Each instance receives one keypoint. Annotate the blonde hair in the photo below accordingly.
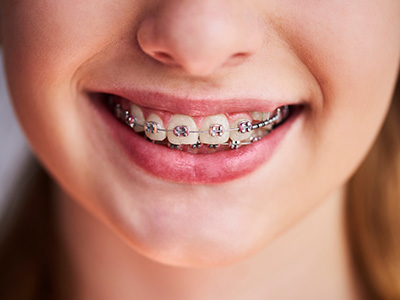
(373, 211)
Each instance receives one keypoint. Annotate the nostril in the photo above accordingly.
(237, 59)
(163, 56)
(240, 55)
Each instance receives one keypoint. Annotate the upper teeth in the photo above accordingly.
(260, 116)
(179, 128)
(214, 130)
(137, 113)
(244, 130)
(154, 128)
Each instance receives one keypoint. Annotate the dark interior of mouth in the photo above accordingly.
(198, 148)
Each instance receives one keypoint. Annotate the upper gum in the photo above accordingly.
(166, 116)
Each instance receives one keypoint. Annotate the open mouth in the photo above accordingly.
(206, 147)
(207, 134)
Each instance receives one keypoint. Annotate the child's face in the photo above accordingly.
(338, 58)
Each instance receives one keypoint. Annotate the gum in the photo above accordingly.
(166, 116)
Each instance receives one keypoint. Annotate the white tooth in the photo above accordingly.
(235, 135)
(182, 123)
(136, 111)
(259, 116)
(206, 138)
(156, 135)
(258, 133)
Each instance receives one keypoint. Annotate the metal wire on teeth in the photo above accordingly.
(243, 127)
(131, 121)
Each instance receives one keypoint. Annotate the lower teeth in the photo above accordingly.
(260, 129)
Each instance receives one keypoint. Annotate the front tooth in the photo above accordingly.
(180, 125)
(260, 116)
(137, 113)
(216, 127)
(236, 135)
(153, 126)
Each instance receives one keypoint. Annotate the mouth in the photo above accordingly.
(206, 134)
(207, 147)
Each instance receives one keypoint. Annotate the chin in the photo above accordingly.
(195, 232)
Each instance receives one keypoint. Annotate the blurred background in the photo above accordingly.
(14, 150)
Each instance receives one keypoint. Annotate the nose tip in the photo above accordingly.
(201, 39)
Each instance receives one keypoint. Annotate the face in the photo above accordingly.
(177, 63)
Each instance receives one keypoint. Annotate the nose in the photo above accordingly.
(200, 36)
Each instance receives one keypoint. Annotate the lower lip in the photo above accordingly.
(185, 167)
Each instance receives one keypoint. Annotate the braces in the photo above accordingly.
(215, 129)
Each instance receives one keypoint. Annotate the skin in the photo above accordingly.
(339, 57)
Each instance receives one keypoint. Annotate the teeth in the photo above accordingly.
(279, 114)
(260, 116)
(180, 125)
(152, 126)
(138, 114)
(217, 130)
(243, 133)
(257, 135)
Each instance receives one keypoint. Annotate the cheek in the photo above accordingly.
(45, 43)
(348, 45)
(353, 49)
(354, 55)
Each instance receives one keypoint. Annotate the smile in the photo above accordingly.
(184, 132)
(219, 140)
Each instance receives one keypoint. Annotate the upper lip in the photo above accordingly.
(194, 106)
